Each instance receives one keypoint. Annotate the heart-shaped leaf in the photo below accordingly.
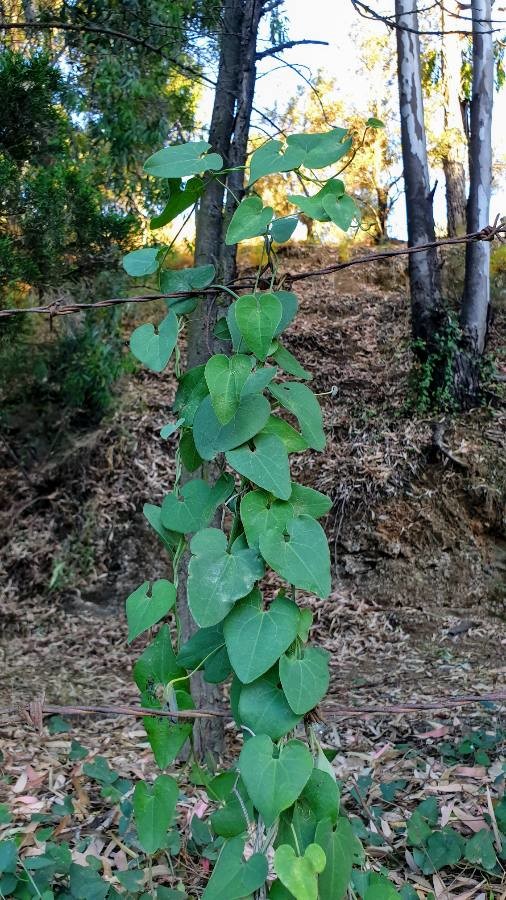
(321, 796)
(147, 605)
(256, 638)
(323, 148)
(260, 512)
(207, 648)
(180, 199)
(233, 877)
(380, 888)
(266, 465)
(300, 873)
(153, 514)
(293, 441)
(190, 158)
(271, 158)
(283, 228)
(290, 364)
(157, 665)
(191, 391)
(301, 401)
(167, 430)
(217, 577)
(274, 778)
(234, 817)
(341, 210)
(313, 206)
(172, 281)
(258, 380)
(340, 847)
(303, 559)
(257, 317)
(154, 807)
(154, 348)
(226, 377)
(211, 437)
(141, 262)
(195, 506)
(250, 220)
(165, 737)
(305, 679)
(263, 707)
(289, 307)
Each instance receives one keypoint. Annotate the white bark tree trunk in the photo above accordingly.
(424, 272)
(476, 299)
(455, 141)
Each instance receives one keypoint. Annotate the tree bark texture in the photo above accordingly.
(455, 141)
(476, 300)
(424, 272)
(228, 135)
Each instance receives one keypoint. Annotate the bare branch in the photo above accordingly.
(271, 51)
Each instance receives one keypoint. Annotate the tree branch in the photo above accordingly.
(271, 51)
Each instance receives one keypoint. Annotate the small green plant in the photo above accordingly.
(432, 376)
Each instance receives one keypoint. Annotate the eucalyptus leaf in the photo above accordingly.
(180, 160)
(251, 219)
(255, 637)
(266, 464)
(154, 347)
(274, 781)
(303, 559)
(147, 605)
(301, 401)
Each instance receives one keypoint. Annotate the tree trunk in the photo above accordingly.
(382, 201)
(424, 272)
(455, 143)
(475, 309)
(228, 135)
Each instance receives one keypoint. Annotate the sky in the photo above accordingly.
(336, 21)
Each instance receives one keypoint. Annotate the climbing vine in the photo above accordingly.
(277, 823)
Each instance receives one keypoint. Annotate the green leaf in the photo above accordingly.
(274, 781)
(260, 512)
(321, 796)
(250, 220)
(255, 637)
(100, 770)
(271, 158)
(57, 725)
(153, 514)
(380, 888)
(8, 856)
(226, 378)
(180, 198)
(480, 850)
(372, 122)
(196, 505)
(165, 737)
(258, 380)
(153, 347)
(257, 317)
(234, 817)
(233, 877)
(321, 149)
(339, 845)
(300, 873)
(289, 307)
(266, 465)
(191, 391)
(305, 501)
(147, 605)
(313, 206)
(389, 789)
(206, 644)
(141, 262)
(211, 437)
(86, 884)
(302, 403)
(190, 457)
(305, 679)
(442, 848)
(167, 430)
(305, 622)
(154, 806)
(303, 559)
(157, 665)
(283, 228)
(263, 708)
(183, 159)
(77, 752)
(341, 210)
(218, 577)
(290, 364)
(293, 441)
(173, 281)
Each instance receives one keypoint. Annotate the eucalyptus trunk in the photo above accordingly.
(455, 141)
(424, 271)
(228, 135)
